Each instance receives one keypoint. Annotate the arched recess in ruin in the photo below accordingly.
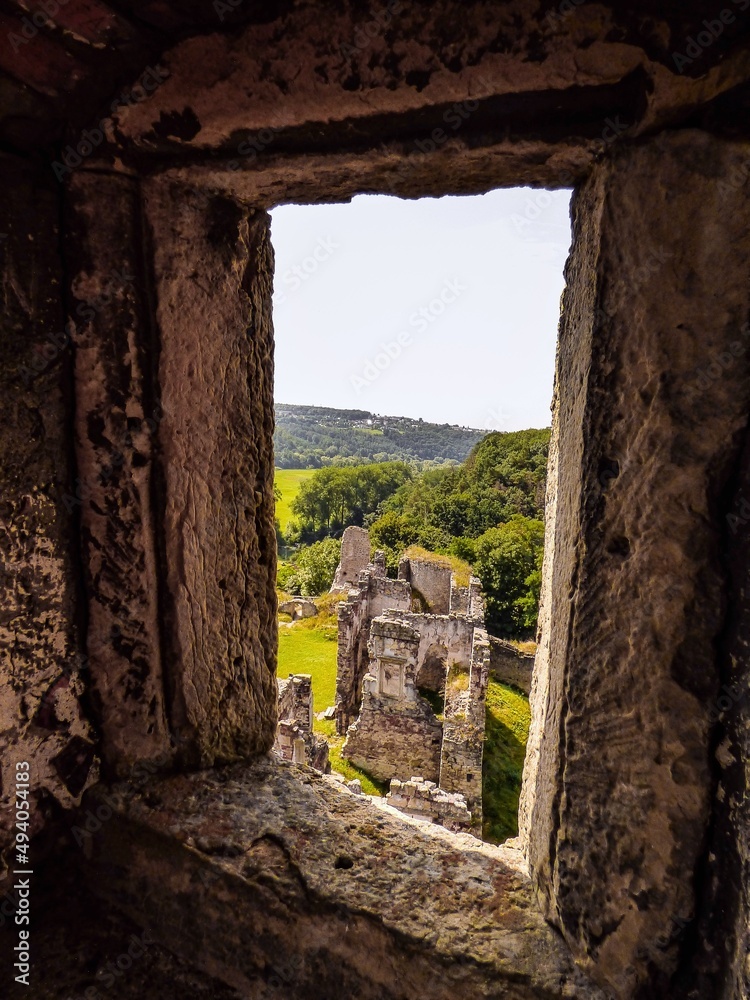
(432, 671)
(139, 623)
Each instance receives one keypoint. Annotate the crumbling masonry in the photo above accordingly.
(388, 653)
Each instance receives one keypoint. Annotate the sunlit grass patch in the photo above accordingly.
(507, 729)
(289, 482)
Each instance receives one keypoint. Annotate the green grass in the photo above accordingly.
(507, 730)
(288, 481)
(461, 569)
(310, 651)
(304, 649)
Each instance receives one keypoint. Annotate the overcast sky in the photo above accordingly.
(442, 308)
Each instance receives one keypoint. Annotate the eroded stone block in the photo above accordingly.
(235, 867)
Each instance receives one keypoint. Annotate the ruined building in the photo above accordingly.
(389, 656)
(143, 144)
(295, 739)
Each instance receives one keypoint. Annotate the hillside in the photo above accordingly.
(309, 437)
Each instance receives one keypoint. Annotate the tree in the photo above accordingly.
(508, 561)
(335, 497)
(316, 567)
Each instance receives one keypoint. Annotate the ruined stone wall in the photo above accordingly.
(295, 739)
(424, 800)
(459, 599)
(355, 556)
(373, 595)
(430, 580)
(463, 727)
(509, 665)
(396, 733)
(296, 700)
(476, 599)
(446, 636)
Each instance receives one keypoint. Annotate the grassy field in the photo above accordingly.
(305, 649)
(309, 647)
(288, 481)
(506, 733)
(310, 651)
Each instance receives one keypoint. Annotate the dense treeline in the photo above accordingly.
(313, 437)
(489, 512)
(337, 497)
(505, 474)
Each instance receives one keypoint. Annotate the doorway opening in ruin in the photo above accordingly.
(415, 345)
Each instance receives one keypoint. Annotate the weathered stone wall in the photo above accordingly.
(396, 733)
(355, 557)
(213, 266)
(651, 402)
(296, 700)
(437, 633)
(118, 414)
(295, 739)
(373, 595)
(431, 580)
(509, 665)
(43, 670)
(459, 599)
(264, 866)
(463, 727)
(424, 800)
(476, 599)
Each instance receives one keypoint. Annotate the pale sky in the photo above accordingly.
(442, 308)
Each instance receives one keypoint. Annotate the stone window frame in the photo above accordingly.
(621, 918)
(383, 663)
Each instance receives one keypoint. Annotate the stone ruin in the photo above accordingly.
(295, 739)
(388, 653)
(355, 555)
(298, 608)
(425, 800)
